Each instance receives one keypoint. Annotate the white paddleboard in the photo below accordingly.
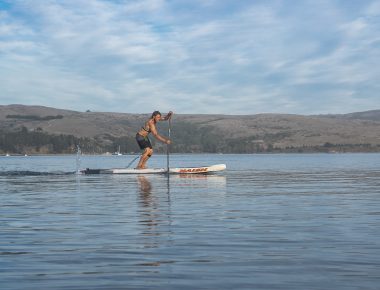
(180, 170)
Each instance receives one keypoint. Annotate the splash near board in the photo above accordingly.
(180, 170)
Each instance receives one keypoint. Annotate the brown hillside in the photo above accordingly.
(277, 130)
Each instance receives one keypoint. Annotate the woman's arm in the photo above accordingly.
(156, 135)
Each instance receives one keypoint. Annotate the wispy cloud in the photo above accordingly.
(192, 57)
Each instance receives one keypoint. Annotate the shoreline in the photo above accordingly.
(200, 153)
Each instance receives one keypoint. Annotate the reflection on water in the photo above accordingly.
(150, 215)
(145, 185)
(154, 214)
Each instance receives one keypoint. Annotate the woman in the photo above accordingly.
(142, 137)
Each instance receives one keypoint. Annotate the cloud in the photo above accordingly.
(208, 57)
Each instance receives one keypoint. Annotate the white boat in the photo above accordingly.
(118, 153)
(180, 170)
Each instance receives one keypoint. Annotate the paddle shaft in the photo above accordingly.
(167, 146)
(130, 163)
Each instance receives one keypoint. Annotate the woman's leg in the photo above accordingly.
(144, 158)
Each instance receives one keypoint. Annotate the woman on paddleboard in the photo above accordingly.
(142, 137)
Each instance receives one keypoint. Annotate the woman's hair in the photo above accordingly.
(155, 113)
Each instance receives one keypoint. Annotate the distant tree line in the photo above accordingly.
(23, 141)
(37, 141)
(188, 138)
(193, 139)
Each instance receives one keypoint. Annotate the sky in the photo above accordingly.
(236, 57)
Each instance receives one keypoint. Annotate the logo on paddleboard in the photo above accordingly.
(193, 170)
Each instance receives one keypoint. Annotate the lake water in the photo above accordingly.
(290, 221)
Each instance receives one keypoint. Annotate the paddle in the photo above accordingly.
(167, 145)
(130, 163)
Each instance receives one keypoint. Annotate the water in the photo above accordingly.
(268, 222)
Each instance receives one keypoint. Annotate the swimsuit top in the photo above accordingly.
(145, 129)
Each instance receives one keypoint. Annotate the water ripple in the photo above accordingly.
(296, 224)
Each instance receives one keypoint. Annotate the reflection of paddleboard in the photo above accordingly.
(181, 170)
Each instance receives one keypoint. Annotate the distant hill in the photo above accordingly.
(373, 115)
(99, 132)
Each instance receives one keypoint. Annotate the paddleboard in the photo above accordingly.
(180, 170)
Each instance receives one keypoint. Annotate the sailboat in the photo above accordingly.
(118, 153)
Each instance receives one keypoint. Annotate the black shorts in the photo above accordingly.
(143, 142)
